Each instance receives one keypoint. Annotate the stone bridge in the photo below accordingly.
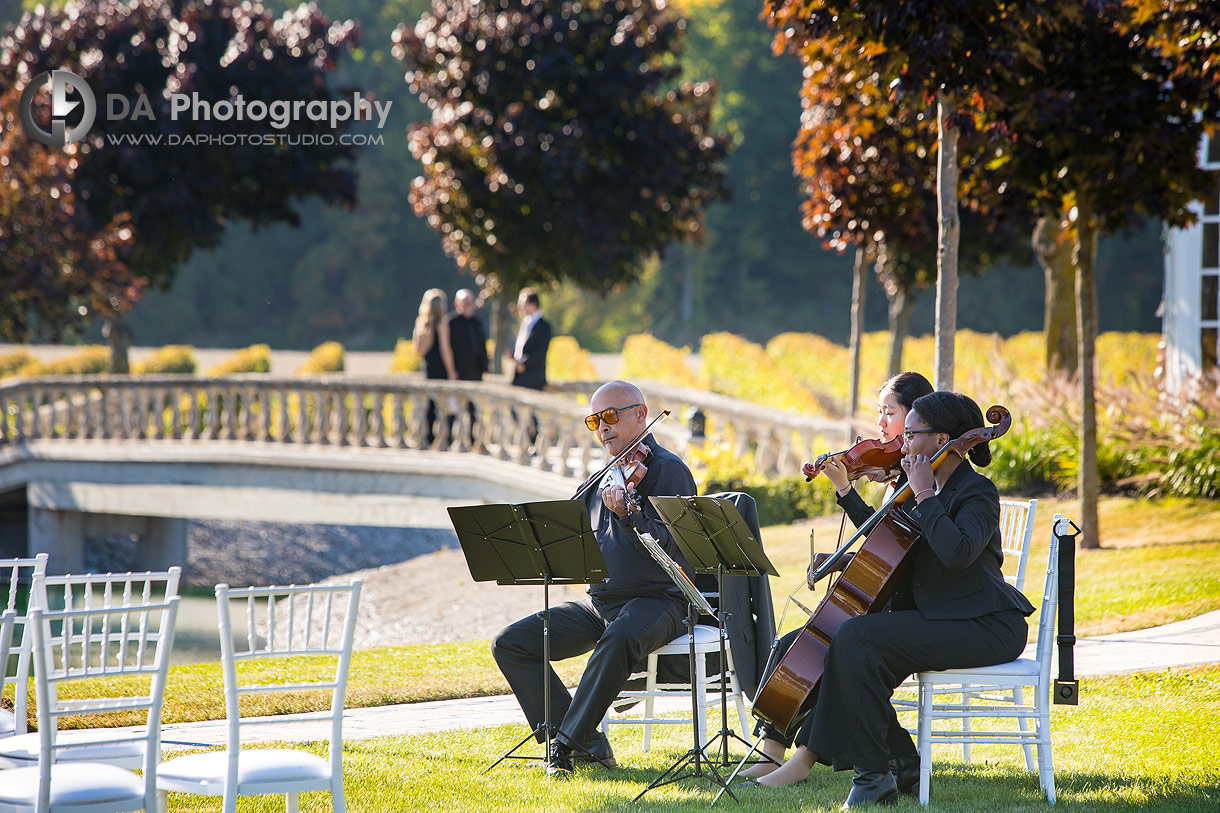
(86, 456)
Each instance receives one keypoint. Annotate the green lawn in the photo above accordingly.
(1161, 563)
(1144, 742)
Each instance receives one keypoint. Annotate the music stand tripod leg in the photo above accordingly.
(726, 733)
(695, 754)
(546, 684)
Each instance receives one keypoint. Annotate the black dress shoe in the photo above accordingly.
(597, 749)
(872, 787)
(559, 761)
(906, 773)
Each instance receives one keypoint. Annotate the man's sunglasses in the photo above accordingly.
(609, 415)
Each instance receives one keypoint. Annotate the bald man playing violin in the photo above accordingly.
(636, 610)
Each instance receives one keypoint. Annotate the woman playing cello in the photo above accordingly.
(952, 610)
(894, 401)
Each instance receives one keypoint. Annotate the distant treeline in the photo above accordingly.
(357, 277)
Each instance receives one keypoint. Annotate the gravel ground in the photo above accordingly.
(417, 587)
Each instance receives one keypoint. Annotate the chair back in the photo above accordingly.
(78, 645)
(20, 575)
(1049, 608)
(1016, 532)
(286, 622)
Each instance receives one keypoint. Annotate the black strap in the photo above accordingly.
(1066, 686)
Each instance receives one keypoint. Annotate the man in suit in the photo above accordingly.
(634, 611)
(533, 341)
(467, 338)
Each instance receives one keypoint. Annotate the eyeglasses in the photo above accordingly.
(908, 434)
(609, 415)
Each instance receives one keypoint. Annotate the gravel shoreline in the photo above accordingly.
(417, 587)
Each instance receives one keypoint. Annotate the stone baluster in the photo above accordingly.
(359, 419)
(462, 424)
(304, 428)
(418, 430)
(285, 413)
(381, 399)
(341, 416)
(37, 395)
(397, 424)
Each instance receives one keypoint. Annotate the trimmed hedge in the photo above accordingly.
(405, 359)
(327, 357)
(173, 358)
(253, 359)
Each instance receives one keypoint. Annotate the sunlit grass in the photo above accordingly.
(1142, 741)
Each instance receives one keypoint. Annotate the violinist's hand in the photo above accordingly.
(615, 498)
(919, 472)
(819, 558)
(836, 472)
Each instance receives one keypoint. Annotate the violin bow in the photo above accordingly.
(618, 457)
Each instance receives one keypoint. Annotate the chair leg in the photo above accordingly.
(162, 801)
(735, 687)
(697, 686)
(337, 801)
(291, 802)
(1046, 765)
(1018, 699)
(650, 687)
(967, 699)
(925, 742)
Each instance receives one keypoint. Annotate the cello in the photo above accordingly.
(864, 587)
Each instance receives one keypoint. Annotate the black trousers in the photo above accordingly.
(620, 635)
(877, 653)
(853, 724)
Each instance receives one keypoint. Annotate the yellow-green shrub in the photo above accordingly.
(89, 360)
(327, 357)
(737, 367)
(815, 361)
(253, 359)
(647, 357)
(405, 359)
(173, 358)
(566, 360)
(14, 362)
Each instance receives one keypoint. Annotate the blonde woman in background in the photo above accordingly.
(431, 340)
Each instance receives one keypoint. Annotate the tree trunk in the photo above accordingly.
(1059, 314)
(118, 336)
(1086, 318)
(499, 324)
(947, 237)
(901, 305)
(859, 291)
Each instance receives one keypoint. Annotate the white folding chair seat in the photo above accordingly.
(1033, 731)
(281, 623)
(706, 688)
(97, 593)
(1016, 532)
(91, 645)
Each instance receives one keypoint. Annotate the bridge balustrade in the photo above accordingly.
(530, 428)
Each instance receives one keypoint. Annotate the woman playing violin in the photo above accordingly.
(894, 401)
(952, 609)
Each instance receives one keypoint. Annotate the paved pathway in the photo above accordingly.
(1184, 643)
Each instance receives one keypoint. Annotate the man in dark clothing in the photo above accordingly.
(467, 338)
(636, 610)
(469, 345)
(533, 340)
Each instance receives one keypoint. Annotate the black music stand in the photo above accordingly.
(696, 604)
(715, 539)
(532, 543)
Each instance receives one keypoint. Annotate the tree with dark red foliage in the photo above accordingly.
(562, 144)
(139, 204)
(954, 52)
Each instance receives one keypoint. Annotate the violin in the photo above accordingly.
(628, 474)
(878, 460)
(865, 586)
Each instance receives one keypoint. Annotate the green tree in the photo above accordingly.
(561, 144)
(175, 199)
(1108, 131)
(952, 51)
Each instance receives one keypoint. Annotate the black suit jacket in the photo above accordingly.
(534, 357)
(469, 345)
(956, 571)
